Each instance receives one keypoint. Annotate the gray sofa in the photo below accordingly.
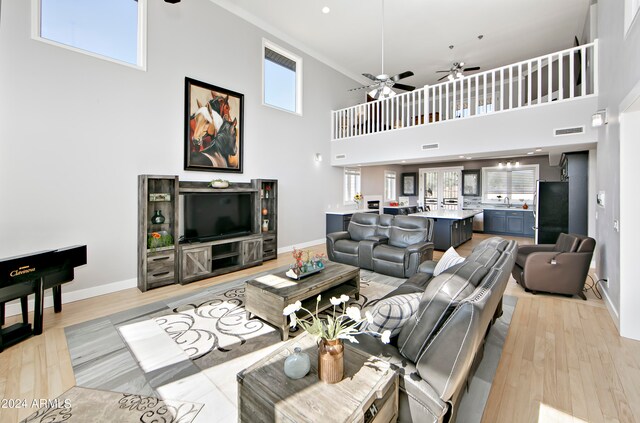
(391, 245)
(440, 345)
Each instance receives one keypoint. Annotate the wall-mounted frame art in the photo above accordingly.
(471, 182)
(409, 185)
(213, 128)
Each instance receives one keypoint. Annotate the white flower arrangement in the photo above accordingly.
(344, 326)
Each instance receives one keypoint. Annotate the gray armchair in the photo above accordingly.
(409, 244)
(559, 268)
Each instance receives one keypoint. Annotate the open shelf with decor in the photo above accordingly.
(268, 216)
(157, 230)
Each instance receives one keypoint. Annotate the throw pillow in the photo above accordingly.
(391, 313)
(449, 258)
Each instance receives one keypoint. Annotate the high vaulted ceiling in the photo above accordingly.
(418, 33)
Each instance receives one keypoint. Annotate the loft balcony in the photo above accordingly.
(543, 102)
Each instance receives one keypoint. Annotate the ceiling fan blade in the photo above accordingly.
(404, 87)
(473, 68)
(447, 71)
(364, 87)
(402, 75)
(446, 76)
(368, 75)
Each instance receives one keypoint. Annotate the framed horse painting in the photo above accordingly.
(213, 128)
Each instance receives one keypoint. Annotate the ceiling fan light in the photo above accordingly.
(458, 74)
(450, 77)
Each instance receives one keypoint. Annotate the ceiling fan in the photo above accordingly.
(382, 83)
(457, 71)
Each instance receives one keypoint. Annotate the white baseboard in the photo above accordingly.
(613, 311)
(302, 245)
(13, 308)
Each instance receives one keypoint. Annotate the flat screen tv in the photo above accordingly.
(216, 216)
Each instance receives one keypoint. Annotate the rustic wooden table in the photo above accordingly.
(268, 295)
(368, 393)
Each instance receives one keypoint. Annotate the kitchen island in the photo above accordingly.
(451, 227)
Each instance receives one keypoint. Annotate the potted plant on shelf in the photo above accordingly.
(331, 331)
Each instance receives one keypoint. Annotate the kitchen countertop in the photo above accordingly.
(515, 208)
(448, 214)
(344, 212)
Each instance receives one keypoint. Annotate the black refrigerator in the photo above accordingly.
(552, 211)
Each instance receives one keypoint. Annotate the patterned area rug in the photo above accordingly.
(82, 405)
(191, 347)
(219, 325)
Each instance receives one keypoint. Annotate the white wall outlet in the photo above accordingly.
(605, 282)
(616, 225)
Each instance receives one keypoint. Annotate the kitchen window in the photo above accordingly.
(281, 78)
(113, 30)
(351, 184)
(389, 185)
(516, 182)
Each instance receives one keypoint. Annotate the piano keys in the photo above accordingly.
(32, 274)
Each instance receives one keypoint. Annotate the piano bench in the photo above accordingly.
(13, 292)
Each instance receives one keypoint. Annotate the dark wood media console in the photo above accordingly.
(186, 262)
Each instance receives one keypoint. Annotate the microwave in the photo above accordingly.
(374, 204)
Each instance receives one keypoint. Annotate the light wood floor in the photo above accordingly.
(562, 360)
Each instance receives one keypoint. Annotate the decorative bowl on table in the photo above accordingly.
(219, 183)
(307, 263)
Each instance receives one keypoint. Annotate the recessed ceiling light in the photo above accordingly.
(468, 158)
(326, 10)
(404, 161)
(461, 157)
(530, 153)
(538, 149)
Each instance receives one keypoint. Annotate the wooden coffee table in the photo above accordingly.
(266, 296)
(368, 393)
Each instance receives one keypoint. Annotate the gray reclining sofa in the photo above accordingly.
(391, 245)
(440, 345)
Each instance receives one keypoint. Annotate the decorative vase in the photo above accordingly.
(266, 194)
(525, 206)
(265, 211)
(265, 225)
(297, 365)
(331, 360)
(157, 217)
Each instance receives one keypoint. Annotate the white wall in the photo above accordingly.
(619, 73)
(630, 232)
(75, 131)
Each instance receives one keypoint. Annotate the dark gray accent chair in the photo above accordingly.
(559, 268)
(391, 245)
(440, 346)
(409, 244)
(343, 247)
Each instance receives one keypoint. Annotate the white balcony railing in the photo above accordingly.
(560, 76)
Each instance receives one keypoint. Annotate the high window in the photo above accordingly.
(282, 78)
(517, 183)
(109, 29)
(389, 185)
(351, 184)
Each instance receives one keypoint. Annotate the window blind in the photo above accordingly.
(279, 59)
